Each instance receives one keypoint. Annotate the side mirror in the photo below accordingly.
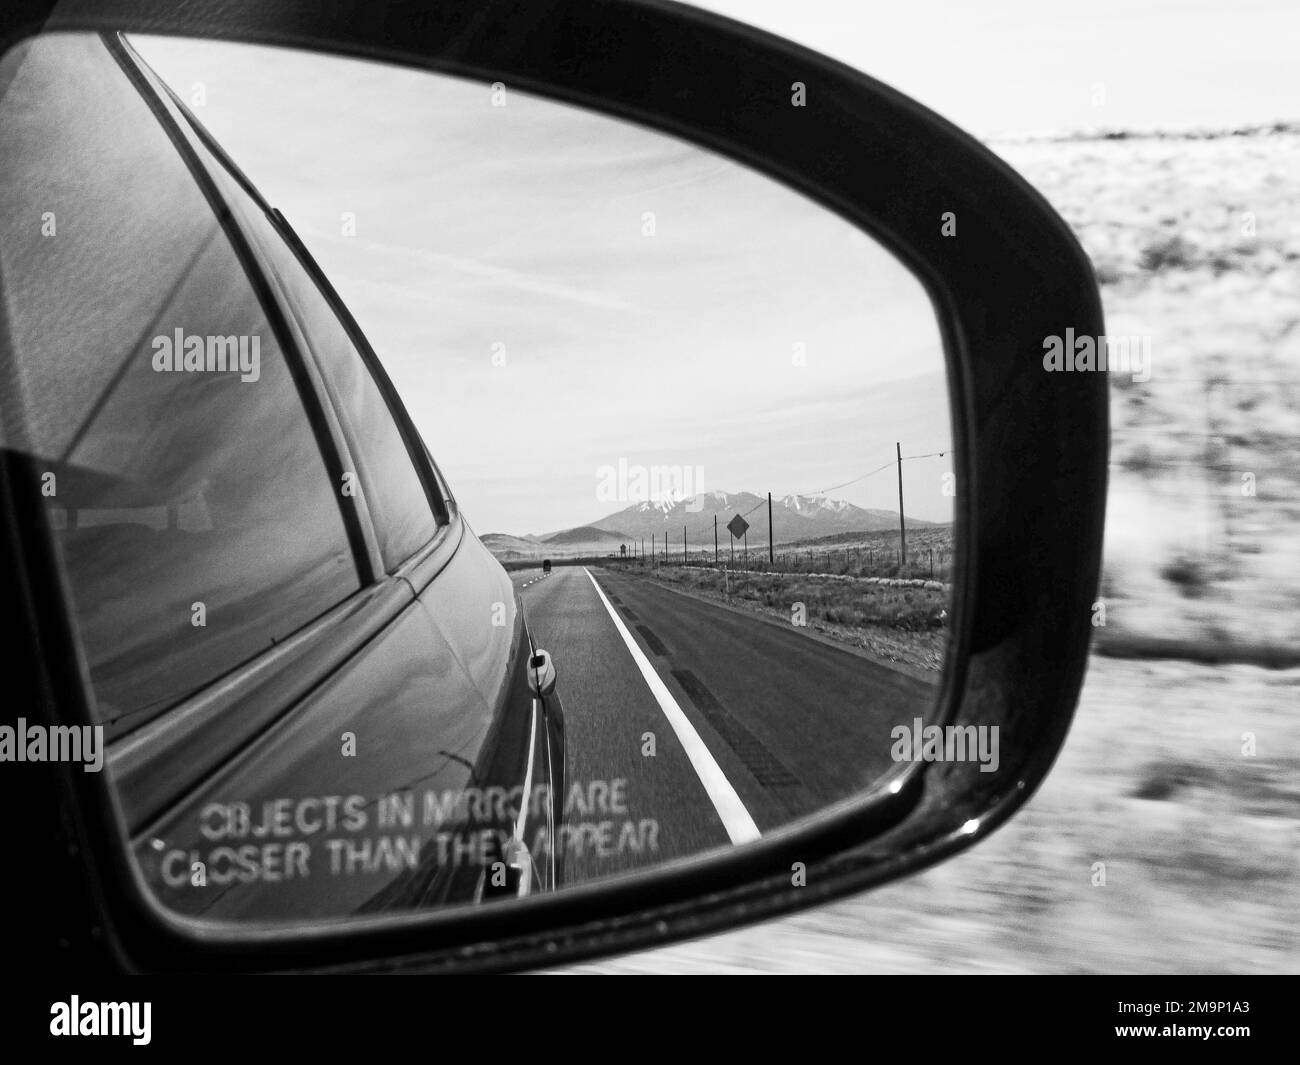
(1000, 277)
(541, 673)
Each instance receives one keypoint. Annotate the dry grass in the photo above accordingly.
(898, 624)
(1195, 244)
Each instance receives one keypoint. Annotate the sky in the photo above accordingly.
(1012, 67)
(499, 257)
(540, 325)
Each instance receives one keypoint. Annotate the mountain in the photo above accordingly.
(587, 534)
(794, 517)
(503, 545)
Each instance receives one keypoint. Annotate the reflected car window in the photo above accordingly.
(193, 510)
(404, 521)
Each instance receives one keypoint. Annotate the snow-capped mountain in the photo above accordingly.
(668, 506)
(814, 504)
(794, 517)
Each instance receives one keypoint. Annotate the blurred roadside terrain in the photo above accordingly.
(1181, 774)
(1195, 240)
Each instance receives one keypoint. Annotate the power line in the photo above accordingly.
(878, 469)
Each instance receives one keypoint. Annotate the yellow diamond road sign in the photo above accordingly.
(737, 525)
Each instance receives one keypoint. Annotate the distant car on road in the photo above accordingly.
(546, 566)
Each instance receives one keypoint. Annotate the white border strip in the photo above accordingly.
(527, 802)
(735, 818)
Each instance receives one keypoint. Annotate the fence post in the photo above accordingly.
(902, 528)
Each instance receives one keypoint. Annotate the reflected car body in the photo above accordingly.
(312, 676)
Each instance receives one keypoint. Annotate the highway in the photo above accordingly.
(753, 721)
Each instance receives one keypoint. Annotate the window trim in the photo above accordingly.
(329, 439)
(416, 449)
(436, 493)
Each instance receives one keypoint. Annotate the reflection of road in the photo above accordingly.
(753, 722)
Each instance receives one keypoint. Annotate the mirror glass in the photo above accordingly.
(460, 495)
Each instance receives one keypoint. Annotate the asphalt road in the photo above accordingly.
(754, 723)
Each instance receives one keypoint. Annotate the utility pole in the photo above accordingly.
(902, 529)
(715, 539)
(771, 555)
(683, 545)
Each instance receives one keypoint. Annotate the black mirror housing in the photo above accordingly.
(1004, 273)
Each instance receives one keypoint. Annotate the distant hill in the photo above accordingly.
(504, 545)
(587, 534)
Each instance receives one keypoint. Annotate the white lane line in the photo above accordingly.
(526, 801)
(735, 818)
